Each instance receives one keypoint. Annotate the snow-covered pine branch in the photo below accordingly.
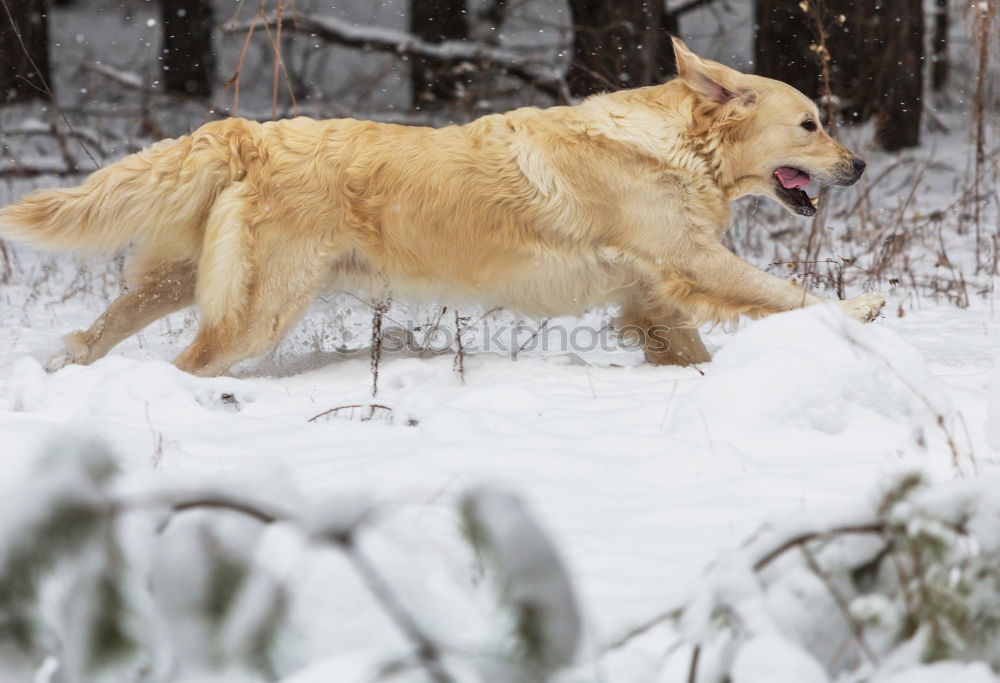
(904, 579)
(534, 585)
(168, 580)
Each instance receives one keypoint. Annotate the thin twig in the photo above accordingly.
(644, 627)
(234, 80)
(856, 629)
(373, 406)
(380, 309)
(796, 541)
(459, 365)
(693, 668)
(278, 62)
(429, 337)
(427, 651)
(938, 417)
(45, 85)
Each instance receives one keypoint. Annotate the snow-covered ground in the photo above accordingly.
(642, 474)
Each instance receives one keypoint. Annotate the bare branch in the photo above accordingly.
(37, 129)
(693, 668)
(35, 171)
(796, 541)
(331, 411)
(644, 627)
(427, 650)
(857, 630)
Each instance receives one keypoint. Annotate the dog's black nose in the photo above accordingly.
(859, 166)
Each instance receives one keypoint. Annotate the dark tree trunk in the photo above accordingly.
(619, 44)
(188, 56)
(24, 61)
(495, 15)
(876, 66)
(900, 103)
(436, 21)
(781, 45)
(939, 65)
(856, 48)
(670, 26)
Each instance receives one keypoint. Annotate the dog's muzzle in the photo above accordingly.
(851, 171)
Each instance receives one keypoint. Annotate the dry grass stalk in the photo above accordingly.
(985, 12)
(380, 309)
(816, 11)
(460, 323)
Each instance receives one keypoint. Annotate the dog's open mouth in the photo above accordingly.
(789, 182)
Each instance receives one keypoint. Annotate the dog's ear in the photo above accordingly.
(709, 80)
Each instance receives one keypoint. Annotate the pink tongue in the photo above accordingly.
(791, 178)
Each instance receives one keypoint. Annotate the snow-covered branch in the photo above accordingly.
(129, 79)
(379, 39)
(911, 574)
(214, 605)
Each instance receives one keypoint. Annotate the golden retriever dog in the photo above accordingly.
(621, 199)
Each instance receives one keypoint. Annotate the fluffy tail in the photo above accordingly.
(167, 188)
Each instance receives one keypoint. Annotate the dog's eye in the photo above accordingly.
(809, 125)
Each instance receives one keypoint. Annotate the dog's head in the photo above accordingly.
(770, 135)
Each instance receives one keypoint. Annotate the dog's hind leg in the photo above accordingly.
(217, 346)
(214, 349)
(157, 293)
(277, 277)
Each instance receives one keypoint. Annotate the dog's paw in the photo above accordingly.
(864, 308)
(74, 350)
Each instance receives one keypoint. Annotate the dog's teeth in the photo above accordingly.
(814, 200)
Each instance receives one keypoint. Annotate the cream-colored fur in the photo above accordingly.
(621, 199)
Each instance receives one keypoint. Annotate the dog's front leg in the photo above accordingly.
(714, 285)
